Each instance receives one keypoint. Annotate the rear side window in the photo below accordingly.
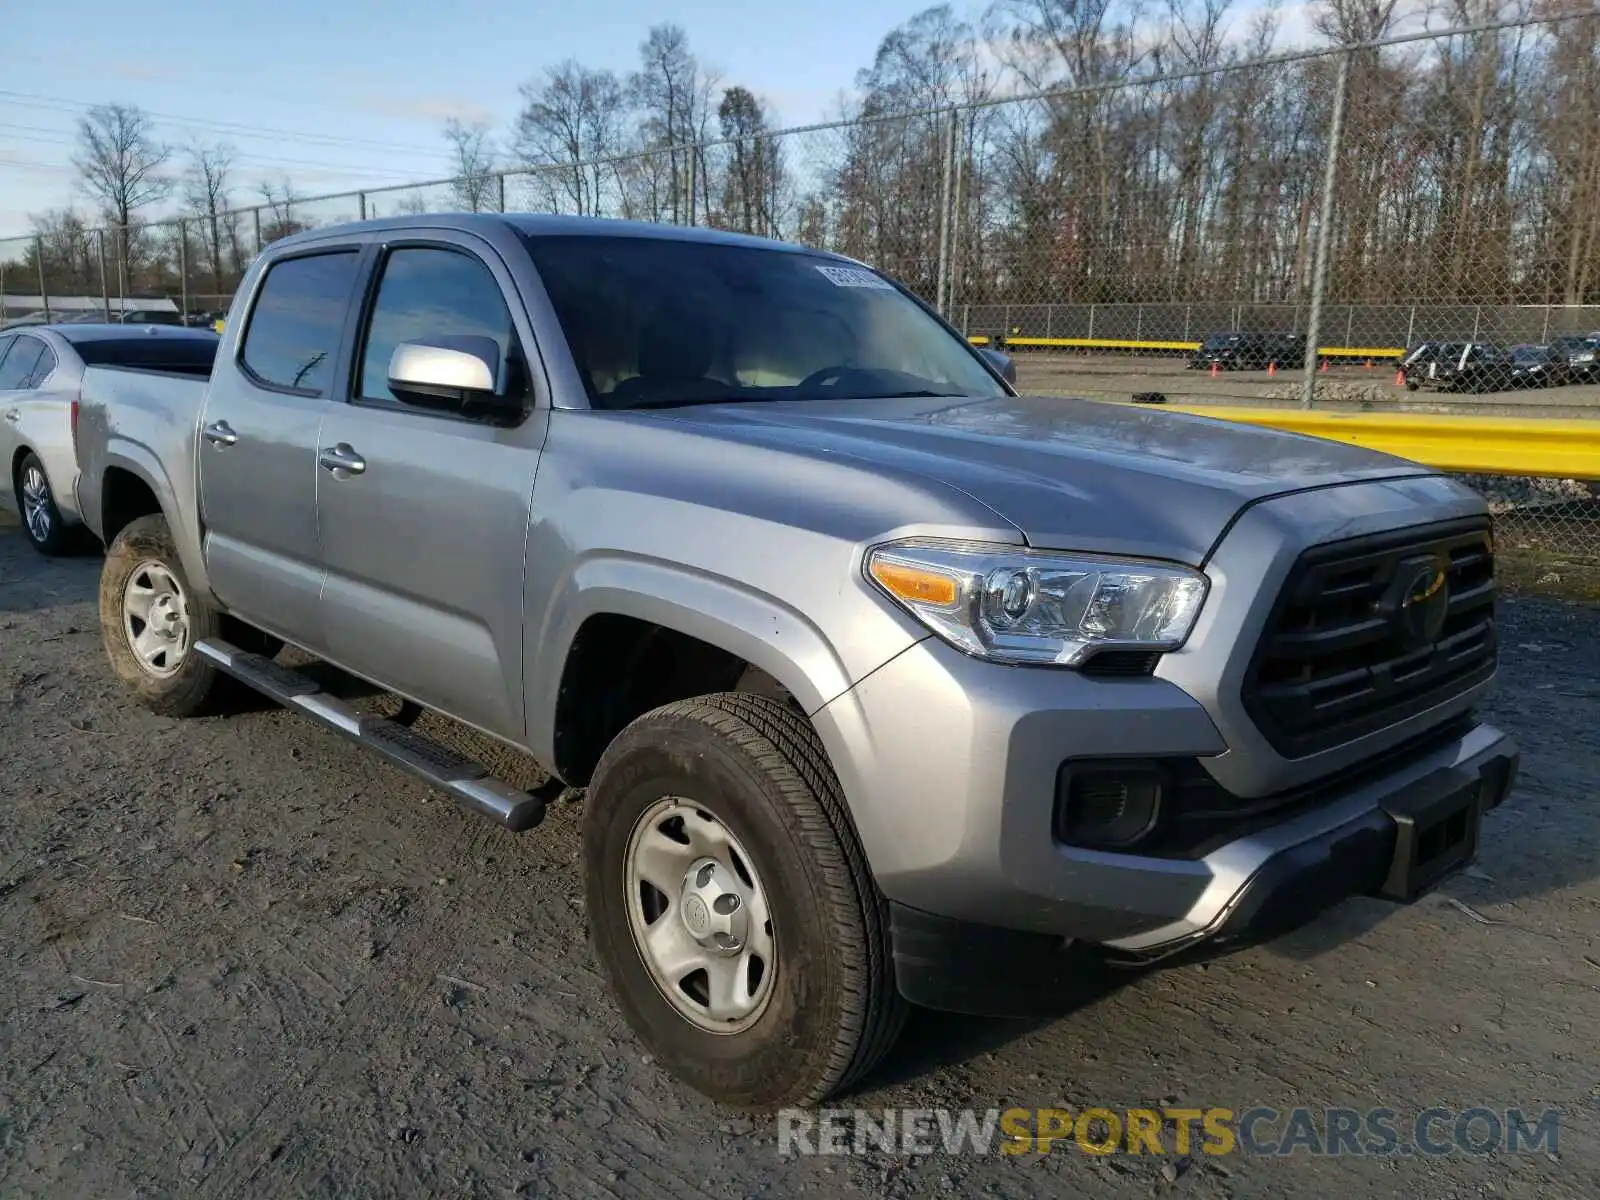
(293, 335)
(41, 369)
(20, 362)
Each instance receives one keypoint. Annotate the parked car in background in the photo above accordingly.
(41, 375)
(39, 317)
(152, 316)
(1251, 351)
(1458, 367)
(1415, 361)
(1582, 353)
(1538, 366)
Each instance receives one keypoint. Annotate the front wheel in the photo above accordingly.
(151, 618)
(731, 906)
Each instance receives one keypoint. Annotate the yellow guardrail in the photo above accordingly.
(1140, 344)
(1481, 445)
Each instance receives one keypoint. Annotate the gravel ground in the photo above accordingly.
(237, 957)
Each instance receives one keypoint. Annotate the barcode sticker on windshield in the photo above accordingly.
(855, 277)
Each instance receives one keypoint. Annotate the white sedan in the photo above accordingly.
(41, 372)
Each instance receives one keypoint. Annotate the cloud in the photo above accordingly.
(434, 109)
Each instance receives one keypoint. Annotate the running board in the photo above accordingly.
(464, 780)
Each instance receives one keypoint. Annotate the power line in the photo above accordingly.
(236, 128)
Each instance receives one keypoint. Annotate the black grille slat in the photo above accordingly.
(1324, 641)
(1335, 664)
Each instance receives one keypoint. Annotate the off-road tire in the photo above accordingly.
(760, 767)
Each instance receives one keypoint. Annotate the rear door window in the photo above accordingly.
(16, 371)
(293, 336)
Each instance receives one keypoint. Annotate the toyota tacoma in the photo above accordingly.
(882, 682)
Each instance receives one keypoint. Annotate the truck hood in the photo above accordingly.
(1068, 474)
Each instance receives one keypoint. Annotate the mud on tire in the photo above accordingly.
(193, 687)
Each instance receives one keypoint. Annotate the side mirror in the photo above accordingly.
(460, 374)
(1003, 363)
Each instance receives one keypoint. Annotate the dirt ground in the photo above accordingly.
(239, 958)
(1346, 385)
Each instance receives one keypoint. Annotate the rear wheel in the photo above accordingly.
(731, 906)
(151, 618)
(42, 521)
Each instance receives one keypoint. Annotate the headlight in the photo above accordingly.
(1013, 605)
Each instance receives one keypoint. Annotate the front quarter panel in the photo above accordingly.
(753, 550)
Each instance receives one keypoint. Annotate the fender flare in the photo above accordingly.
(765, 632)
(139, 461)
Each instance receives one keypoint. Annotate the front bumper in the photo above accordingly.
(985, 902)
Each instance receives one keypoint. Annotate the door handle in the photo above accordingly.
(13, 416)
(341, 458)
(220, 433)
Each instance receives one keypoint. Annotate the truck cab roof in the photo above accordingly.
(493, 225)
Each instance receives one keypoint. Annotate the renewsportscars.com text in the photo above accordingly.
(1258, 1131)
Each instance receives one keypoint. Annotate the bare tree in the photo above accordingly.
(280, 200)
(571, 118)
(206, 193)
(670, 91)
(412, 204)
(119, 163)
(475, 187)
(68, 252)
(750, 190)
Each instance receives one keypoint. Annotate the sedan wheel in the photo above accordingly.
(41, 519)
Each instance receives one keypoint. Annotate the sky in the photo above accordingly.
(338, 95)
(342, 95)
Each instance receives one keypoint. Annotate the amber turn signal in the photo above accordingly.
(916, 584)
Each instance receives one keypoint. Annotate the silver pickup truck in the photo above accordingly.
(885, 683)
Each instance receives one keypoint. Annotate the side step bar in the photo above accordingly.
(461, 778)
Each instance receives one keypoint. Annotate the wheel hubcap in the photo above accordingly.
(155, 618)
(699, 916)
(36, 503)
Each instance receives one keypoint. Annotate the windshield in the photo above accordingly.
(1529, 354)
(654, 322)
(1220, 341)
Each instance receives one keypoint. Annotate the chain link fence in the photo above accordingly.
(1411, 225)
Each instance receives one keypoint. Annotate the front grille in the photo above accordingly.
(1343, 656)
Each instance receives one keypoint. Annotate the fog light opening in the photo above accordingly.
(1108, 805)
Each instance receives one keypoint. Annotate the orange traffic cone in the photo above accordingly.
(1400, 378)
(1324, 366)
(1369, 364)
(1214, 371)
(1272, 368)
